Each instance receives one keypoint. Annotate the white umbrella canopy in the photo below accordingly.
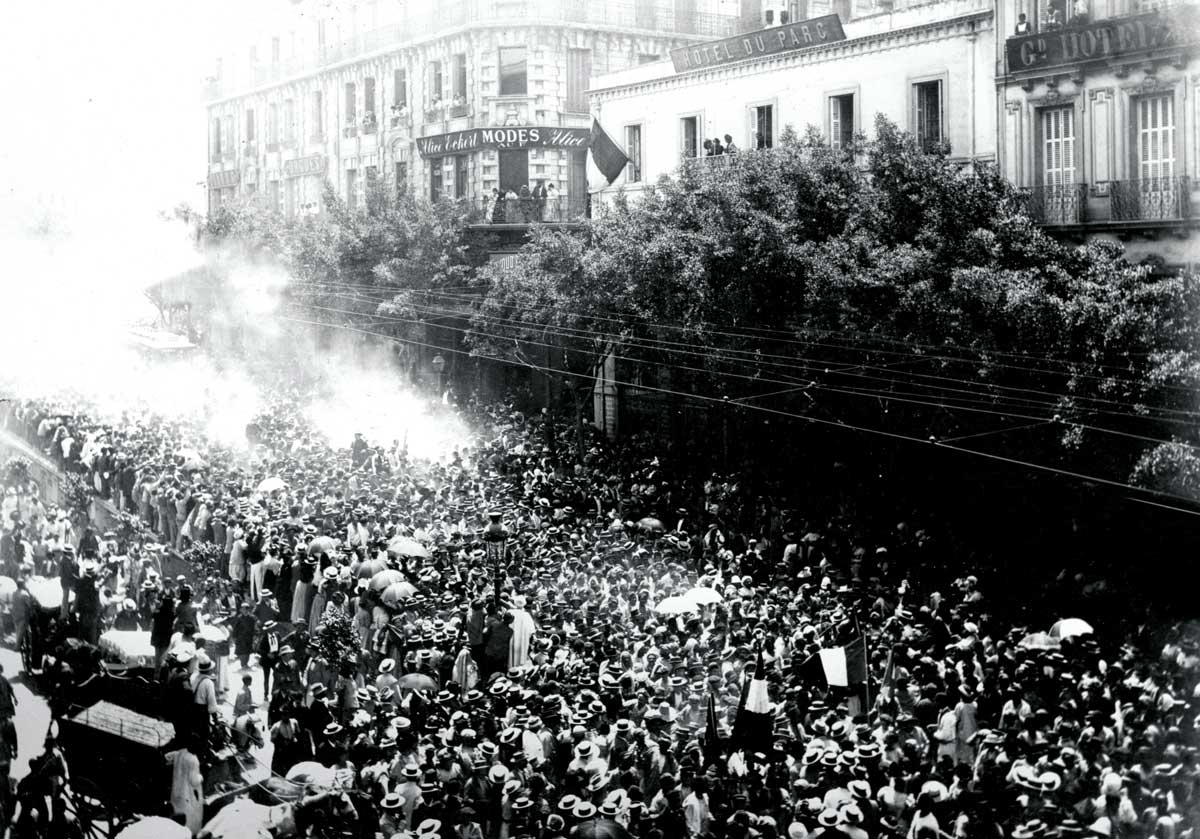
(155, 827)
(1040, 641)
(1070, 627)
(396, 592)
(703, 596)
(241, 819)
(386, 578)
(676, 605)
(271, 484)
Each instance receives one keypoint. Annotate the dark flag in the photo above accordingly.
(712, 734)
(755, 724)
(610, 158)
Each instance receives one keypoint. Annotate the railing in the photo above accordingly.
(370, 124)
(401, 119)
(456, 111)
(561, 209)
(444, 16)
(1151, 199)
(709, 163)
(1057, 203)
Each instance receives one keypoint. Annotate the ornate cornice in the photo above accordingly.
(877, 42)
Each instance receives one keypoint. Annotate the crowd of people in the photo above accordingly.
(502, 643)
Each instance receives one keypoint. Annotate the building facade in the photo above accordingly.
(928, 66)
(1099, 122)
(460, 98)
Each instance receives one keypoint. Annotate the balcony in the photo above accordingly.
(562, 209)
(1151, 199)
(717, 162)
(460, 109)
(350, 130)
(370, 125)
(401, 119)
(1057, 203)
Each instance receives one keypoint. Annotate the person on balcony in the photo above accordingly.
(497, 207)
(539, 201)
(708, 148)
(1023, 27)
(552, 201)
(718, 149)
(730, 148)
(1053, 18)
(526, 204)
(1079, 13)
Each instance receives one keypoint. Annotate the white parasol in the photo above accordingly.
(155, 827)
(703, 596)
(271, 485)
(677, 605)
(1070, 627)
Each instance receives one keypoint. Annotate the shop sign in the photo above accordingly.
(1100, 40)
(524, 137)
(791, 37)
(223, 180)
(312, 165)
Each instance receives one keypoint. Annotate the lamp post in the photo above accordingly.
(495, 543)
(439, 365)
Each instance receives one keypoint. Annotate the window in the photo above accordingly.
(272, 123)
(841, 120)
(459, 77)
(514, 79)
(227, 142)
(351, 189)
(435, 81)
(253, 56)
(1058, 146)
(927, 113)
(401, 176)
(351, 113)
(372, 181)
(369, 96)
(274, 196)
(321, 35)
(435, 179)
(461, 162)
(764, 126)
(289, 120)
(689, 137)
(648, 58)
(633, 148)
(249, 125)
(318, 115)
(798, 10)
(289, 196)
(275, 50)
(783, 17)
(400, 89)
(514, 170)
(579, 76)
(216, 138)
(1155, 137)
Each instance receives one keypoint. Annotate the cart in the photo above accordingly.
(119, 766)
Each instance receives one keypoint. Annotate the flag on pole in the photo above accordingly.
(889, 676)
(712, 733)
(610, 158)
(755, 724)
(845, 666)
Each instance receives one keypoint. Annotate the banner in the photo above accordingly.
(524, 137)
(787, 38)
(610, 158)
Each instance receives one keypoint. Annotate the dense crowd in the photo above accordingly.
(504, 644)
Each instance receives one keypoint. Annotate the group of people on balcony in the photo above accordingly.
(1055, 16)
(523, 206)
(715, 146)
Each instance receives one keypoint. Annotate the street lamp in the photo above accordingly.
(439, 365)
(495, 542)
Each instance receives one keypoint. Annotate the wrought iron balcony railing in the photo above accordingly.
(1151, 199)
(1057, 203)
(561, 209)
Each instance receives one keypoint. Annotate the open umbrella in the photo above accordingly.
(676, 606)
(241, 819)
(312, 773)
(1040, 641)
(396, 592)
(1070, 627)
(417, 681)
(271, 485)
(383, 579)
(369, 568)
(599, 829)
(404, 546)
(191, 459)
(650, 525)
(703, 596)
(322, 544)
(155, 827)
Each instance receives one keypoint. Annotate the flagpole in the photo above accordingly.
(866, 663)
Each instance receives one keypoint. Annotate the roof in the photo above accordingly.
(126, 724)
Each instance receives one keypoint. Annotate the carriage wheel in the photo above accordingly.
(94, 814)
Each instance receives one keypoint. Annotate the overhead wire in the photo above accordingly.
(775, 412)
(862, 392)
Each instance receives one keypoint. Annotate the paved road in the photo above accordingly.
(33, 714)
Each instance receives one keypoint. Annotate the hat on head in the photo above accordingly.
(387, 665)
(584, 810)
(392, 801)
